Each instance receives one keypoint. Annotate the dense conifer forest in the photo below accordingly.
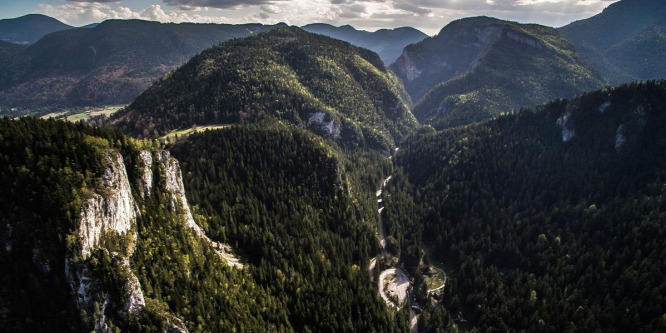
(545, 234)
(286, 201)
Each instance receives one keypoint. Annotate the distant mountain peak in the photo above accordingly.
(128, 56)
(476, 67)
(625, 42)
(388, 43)
(336, 90)
(29, 28)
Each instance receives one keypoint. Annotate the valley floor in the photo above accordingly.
(392, 280)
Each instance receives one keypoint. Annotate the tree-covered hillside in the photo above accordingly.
(626, 42)
(110, 63)
(476, 67)
(29, 28)
(551, 219)
(7, 50)
(299, 214)
(329, 86)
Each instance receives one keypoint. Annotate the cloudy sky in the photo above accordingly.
(427, 15)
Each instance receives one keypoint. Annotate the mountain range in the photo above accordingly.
(29, 28)
(108, 64)
(601, 51)
(625, 42)
(312, 81)
(280, 182)
(477, 67)
(116, 60)
(388, 43)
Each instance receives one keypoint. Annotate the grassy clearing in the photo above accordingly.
(77, 116)
(54, 115)
(435, 278)
(84, 114)
(93, 112)
(196, 129)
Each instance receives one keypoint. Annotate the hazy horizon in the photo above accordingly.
(428, 16)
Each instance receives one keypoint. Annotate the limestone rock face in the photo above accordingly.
(318, 121)
(147, 175)
(111, 209)
(175, 325)
(568, 132)
(524, 39)
(620, 139)
(408, 67)
(115, 210)
(174, 185)
(134, 300)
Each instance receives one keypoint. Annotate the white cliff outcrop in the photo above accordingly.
(604, 107)
(564, 122)
(407, 66)
(147, 175)
(520, 38)
(620, 138)
(134, 300)
(629, 130)
(114, 210)
(174, 185)
(318, 120)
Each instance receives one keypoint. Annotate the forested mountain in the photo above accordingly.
(29, 28)
(550, 219)
(108, 64)
(7, 50)
(626, 42)
(100, 232)
(388, 43)
(312, 81)
(477, 67)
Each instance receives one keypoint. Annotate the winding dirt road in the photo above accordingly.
(399, 284)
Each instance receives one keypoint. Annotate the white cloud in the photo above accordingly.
(91, 1)
(272, 9)
(84, 13)
(225, 4)
(427, 15)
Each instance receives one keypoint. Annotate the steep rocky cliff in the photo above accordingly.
(111, 211)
